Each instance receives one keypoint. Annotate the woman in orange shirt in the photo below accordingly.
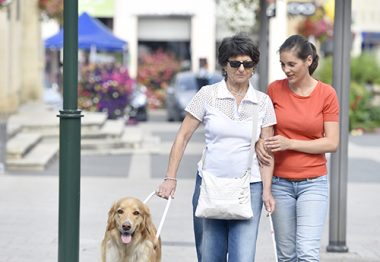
(307, 112)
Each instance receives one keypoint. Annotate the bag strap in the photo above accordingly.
(255, 117)
(163, 216)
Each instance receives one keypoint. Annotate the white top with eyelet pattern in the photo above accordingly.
(228, 128)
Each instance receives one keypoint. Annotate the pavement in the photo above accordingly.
(29, 201)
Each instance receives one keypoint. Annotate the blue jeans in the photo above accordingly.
(216, 239)
(301, 208)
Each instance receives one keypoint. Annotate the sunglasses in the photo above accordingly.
(246, 64)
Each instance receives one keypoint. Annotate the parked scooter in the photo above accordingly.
(137, 108)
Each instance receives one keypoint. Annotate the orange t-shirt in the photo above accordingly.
(302, 118)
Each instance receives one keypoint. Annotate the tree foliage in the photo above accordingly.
(237, 15)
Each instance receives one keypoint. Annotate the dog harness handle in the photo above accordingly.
(163, 216)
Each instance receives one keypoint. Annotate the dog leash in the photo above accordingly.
(163, 216)
(269, 215)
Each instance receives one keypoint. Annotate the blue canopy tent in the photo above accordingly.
(91, 34)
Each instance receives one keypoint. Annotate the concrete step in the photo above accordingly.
(116, 139)
(21, 143)
(113, 128)
(36, 160)
(13, 129)
(35, 136)
(94, 129)
(86, 132)
(112, 146)
(36, 117)
(110, 129)
(106, 143)
(133, 135)
(115, 135)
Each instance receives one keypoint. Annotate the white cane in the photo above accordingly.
(272, 233)
(163, 216)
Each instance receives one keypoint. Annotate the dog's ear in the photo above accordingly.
(148, 223)
(111, 217)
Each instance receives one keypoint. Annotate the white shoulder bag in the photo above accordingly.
(227, 198)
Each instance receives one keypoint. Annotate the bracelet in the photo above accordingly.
(170, 178)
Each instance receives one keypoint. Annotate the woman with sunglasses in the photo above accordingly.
(307, 111)
(225, 109)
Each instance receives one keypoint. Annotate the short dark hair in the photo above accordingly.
(239, 44)
(302, 49)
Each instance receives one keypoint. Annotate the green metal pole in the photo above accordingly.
(70, 134)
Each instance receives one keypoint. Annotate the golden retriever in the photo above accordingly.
(130, 234)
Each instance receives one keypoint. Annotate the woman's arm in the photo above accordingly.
(328, 143)
(263, 154)
(188, 126)
(266, 172)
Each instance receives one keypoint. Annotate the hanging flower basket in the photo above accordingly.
(105, 88)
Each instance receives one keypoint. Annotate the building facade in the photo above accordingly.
(21, 54)
(188, 26)
(366, 26)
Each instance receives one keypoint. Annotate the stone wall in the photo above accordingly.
(21, 55)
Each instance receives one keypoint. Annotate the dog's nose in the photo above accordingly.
(126, 226)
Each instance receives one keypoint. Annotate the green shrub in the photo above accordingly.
(374, 114)
(324, 70)
(359, 115)
(364, 70)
